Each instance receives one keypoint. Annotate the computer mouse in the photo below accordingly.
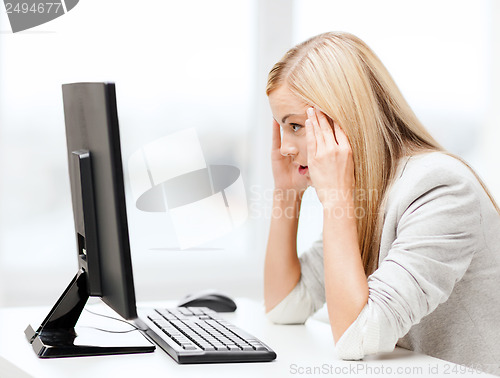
(209, 298)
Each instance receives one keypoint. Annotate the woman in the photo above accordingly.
(410, 249)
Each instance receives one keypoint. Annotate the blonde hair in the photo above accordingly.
(339, 74)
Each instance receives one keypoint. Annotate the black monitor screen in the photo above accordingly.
(92, 125)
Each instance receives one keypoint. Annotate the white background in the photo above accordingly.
(203, 64)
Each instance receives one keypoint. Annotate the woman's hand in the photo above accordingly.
(330, 161)
(286, 176)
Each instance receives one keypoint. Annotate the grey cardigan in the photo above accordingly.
(437, 287)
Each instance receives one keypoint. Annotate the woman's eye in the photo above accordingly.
(295, 127)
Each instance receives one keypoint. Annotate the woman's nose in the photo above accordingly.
(287, 148)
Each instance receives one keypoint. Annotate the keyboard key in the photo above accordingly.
(257, 345)
(185, 311)
(240, 333)
(165, 313)
(154, 317)
(207, 310)
(162, 323)
(196, 310)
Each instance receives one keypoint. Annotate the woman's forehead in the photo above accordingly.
(284, 102)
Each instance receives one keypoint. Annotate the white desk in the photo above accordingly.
(303, 351)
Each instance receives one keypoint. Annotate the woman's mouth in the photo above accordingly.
(303, 169)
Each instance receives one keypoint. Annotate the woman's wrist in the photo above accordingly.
(287, 195)
(286, 203)
(340, 209)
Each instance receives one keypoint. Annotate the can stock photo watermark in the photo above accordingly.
(26, 14)
(361, 369)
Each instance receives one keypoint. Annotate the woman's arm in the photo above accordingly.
(282, 266)
(436, 213)
(332, 172)
(346, 285)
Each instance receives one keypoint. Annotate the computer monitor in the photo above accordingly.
(98, 197)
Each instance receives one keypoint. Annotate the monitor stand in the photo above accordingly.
(56, 335)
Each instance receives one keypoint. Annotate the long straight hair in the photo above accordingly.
(339, 74)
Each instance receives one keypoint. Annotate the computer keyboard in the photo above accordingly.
(200, 335)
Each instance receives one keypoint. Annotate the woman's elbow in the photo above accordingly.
(278, 317)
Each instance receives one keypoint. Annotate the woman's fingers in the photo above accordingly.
(311, 140)
(325, 127)
(318, 134)
(276, 144)
(341, 137)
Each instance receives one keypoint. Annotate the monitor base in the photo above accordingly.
(56, 335)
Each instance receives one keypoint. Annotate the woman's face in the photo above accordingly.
(289, 112)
